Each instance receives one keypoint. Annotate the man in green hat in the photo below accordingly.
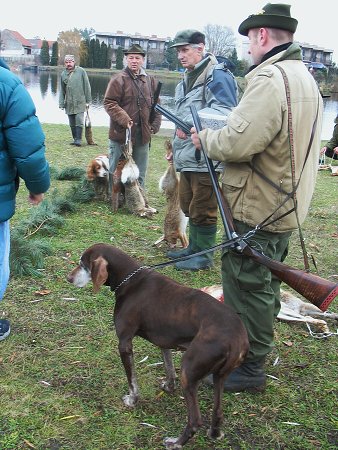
(128, 101)
(74, 97)
(270, 149)
(210, 86)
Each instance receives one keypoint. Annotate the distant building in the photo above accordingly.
(314, 56)
(153, 45)
(14, 48)
(37, 44)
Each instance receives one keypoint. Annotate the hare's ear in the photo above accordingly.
(99, 273)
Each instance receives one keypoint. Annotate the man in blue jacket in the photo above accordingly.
(22, 155)
(210, 86)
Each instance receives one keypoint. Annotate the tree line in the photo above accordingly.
(90, 53)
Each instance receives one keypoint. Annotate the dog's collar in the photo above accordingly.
(129, 276)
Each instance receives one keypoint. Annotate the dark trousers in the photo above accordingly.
(197, 198)
(252, 290)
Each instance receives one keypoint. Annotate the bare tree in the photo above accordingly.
(219, 40)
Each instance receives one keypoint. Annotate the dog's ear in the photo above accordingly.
(90, 171)
(99, 273)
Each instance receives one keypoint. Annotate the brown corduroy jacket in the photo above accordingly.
(130, 98)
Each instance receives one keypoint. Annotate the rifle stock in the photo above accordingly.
(317, 290)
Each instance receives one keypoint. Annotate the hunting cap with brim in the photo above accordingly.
(186, 37)
(273, 15)
(135, 49)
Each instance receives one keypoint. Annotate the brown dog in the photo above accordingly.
(98, 173)
(171, 316)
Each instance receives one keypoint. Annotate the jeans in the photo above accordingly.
(4, 256)
(76, 120)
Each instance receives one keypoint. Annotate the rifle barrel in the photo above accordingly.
(178, 122)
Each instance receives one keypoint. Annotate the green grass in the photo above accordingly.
(61, 379)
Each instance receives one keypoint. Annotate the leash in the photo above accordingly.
(229, 243)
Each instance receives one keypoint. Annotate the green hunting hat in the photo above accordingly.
(135, 49)
(273, 15)
(186, 37)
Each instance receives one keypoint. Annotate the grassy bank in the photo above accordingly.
(61, 379)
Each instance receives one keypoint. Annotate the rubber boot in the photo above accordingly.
(249, 377)
(206, 237)
(78, 138)
(73, 130)
(174, 254)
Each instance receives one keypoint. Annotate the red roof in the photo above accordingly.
(20, 38)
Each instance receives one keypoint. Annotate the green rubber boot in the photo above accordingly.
(206, 237)
(174, 254)
(73, 130)
(78, 133)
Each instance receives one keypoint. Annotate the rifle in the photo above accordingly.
(156, 97)
(317, 290)
(178, 122)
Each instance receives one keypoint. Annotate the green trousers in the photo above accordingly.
(252, 290)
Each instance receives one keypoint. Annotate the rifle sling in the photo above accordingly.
(291, 194)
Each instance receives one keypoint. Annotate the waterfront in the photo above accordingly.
(44, 89)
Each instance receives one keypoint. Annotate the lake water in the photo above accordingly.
(44, 89)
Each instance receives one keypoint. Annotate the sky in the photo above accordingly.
(316, 22)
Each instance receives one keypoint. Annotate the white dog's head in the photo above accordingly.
(98, 168)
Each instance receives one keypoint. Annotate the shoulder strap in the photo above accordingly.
(292, 160)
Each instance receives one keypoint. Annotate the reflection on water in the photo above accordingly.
(44, 89)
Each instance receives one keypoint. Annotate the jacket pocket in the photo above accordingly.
(237, 122)
(234, 181)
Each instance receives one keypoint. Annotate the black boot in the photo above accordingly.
(78, 134)
(73, 130)
(174, 254)
(249, 376)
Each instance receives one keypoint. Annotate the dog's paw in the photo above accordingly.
(129, 400)
(215, 434)
(171, 443)
(168, 386)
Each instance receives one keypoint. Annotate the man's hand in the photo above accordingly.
(181, 134)
(195, 139)
(35, 199)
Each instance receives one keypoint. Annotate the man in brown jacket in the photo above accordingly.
(128, 101)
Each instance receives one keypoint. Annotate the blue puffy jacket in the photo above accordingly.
(22, 147)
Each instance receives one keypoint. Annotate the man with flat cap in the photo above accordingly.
(74, 97)
(128, 101)
(210, 86)
(270, 147)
